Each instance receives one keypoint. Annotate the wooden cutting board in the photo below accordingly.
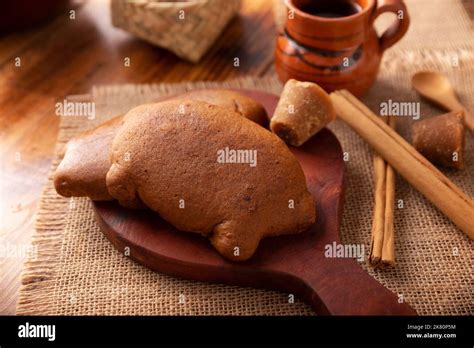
(295, 264)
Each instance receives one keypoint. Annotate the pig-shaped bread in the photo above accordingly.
(208, 170)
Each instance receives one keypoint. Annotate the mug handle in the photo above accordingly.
(396, 31)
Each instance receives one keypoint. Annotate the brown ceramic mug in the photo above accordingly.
(334, 43)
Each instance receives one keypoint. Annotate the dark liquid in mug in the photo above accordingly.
(331, 8)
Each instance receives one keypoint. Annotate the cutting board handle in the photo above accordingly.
(344, 288)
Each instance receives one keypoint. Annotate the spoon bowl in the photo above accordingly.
(430, 83)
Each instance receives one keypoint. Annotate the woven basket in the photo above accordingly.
(187, 28)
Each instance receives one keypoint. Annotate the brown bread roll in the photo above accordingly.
(208, 170)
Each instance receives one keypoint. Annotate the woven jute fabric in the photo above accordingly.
(76, 271)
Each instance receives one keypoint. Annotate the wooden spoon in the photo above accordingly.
(437, 88)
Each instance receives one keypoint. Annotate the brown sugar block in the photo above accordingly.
(208, 170)
(303, 110)
(86, 161)
(441, 139)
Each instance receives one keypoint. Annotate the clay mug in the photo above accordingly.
(334, 43)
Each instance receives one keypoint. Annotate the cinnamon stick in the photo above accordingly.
(388, 247)
(382, 246)
(380, 170)
(416, 169)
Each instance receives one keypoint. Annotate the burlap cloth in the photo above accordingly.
(77, 271)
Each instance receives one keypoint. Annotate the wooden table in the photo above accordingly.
(67, 57)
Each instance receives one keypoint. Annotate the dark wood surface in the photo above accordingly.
(65, 57)
(296, 264)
